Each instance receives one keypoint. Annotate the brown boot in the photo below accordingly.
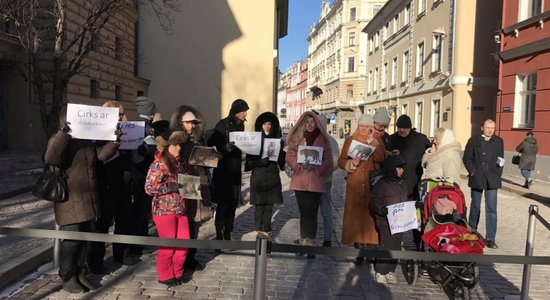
(73, 286)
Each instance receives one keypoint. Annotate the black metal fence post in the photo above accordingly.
(529, 245)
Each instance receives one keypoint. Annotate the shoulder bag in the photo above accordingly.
(52, 185)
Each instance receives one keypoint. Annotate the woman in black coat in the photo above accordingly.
(265, 182)
(528, 149)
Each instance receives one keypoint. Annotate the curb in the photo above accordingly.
(16, 192)
(520, 192)
(24, 264)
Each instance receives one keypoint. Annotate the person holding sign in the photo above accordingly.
(189, 120)
(78, 158)
(308, 180)
(169, 208)
(265, 181)
(358, 224)
(227, 176)
(391, 189)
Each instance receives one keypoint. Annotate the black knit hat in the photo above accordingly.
(238, 105)
(404, 122)
(392, 162)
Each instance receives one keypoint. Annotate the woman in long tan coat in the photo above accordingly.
(359, 228)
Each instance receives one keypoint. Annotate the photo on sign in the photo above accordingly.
(359, 149)
(310, 154)
(271, 149)
(190, 186)
(204, 156)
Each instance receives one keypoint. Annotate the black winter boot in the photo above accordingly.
(73, 286)
(83, 279)
(526, 184)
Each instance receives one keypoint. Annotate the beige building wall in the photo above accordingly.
(216, 52)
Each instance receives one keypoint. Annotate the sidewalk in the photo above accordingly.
(19, 172)
(231, 274)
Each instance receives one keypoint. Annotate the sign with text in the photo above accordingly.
(248, 142)
(92, 122)
(132, 134)
(402, 217)
(272, 147)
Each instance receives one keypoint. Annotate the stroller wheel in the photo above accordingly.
(473, 271)
(458, 291)
(410, 271)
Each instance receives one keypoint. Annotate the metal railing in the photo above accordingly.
(530, 246)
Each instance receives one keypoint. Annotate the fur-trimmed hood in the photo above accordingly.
(275, 127)
(296, 134)
(176, 125)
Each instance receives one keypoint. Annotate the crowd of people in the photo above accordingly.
(129, 188)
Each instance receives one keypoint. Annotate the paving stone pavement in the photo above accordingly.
(231, 274)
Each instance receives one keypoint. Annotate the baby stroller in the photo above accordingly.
(444, 229)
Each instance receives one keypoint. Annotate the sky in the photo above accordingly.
(302, 15)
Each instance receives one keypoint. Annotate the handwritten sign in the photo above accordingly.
(272, 147)
(132, 134)
(92, 122)
(310, 154)
(359, 149)
(190, 186)
(248, 142)
(402, 217)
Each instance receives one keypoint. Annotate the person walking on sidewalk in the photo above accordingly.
(265, 181)
(169, 208)
(484, 159)
(308, 180)
(227, 177)
(528, 149)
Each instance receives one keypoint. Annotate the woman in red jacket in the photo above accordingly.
(169, 209)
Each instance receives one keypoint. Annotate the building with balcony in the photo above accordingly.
(337, 62)
(524, 79)
(296, 87)
(434, 61)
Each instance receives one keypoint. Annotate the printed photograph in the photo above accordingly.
(271, 149)
(359, 149)
(310, 154)
(204, 156)
(190, 186)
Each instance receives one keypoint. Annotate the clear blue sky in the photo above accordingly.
(302, 15)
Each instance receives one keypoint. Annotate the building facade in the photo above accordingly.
(337, 62)
(434, 61)
(281, 99)
(296, 87)
(524, 79)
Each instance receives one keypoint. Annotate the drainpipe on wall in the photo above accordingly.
(453, 51)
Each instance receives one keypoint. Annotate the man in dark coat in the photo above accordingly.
(227, 176)
(484, 159)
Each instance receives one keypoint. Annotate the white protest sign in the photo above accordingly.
(402, 217)
(272, 147)
(248, 142)
(132, 134)
(92, 122)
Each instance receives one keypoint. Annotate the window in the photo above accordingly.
(352, 14)
(524, 101)
(436, 52)
(94, 89)
(384, 76)
(375, 80)
(118, 48)
(351, 40)
(394, 71)
(529, 8)
(349, 92)
(369, 86)
(421, 7)
(395, 25)
(434, 122)
(118, 93)
(351, 64)
(375, 9)
(418, 117)
(420, 60)
(404, 109)
(406, 14)
(405, 67)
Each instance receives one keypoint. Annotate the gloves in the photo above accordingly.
(265, 161)
(173, 187)
(143, 151)
(64, 127)
(118, 133)
(230, 147)
(384, 211)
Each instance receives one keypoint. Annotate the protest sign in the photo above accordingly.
(132, 134)
(272, 147)
(310, 154)
(402, 217)
(248, 142)
(92, 122)
(190, 186)
(359, 149)
(204, 156)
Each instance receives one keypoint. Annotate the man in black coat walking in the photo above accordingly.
(484, 159)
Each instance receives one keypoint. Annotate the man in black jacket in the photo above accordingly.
(227, 176)
(484, 159)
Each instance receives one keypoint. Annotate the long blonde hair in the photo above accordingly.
(296, 134)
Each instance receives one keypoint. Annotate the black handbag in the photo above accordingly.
(515, 159)
(52, 185)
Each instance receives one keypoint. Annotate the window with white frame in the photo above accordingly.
(395, 24)
(351, 64)
(405, 67)
(375, 80)
(420, 60)
(394, 71)
(524, 100)
(351, 39)
(352, 14)
(436, 116)
(437, 48)
(529, 8)
(421, 7)
(404, 109)
(384, 76)
(407, 14)
(418, 116)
